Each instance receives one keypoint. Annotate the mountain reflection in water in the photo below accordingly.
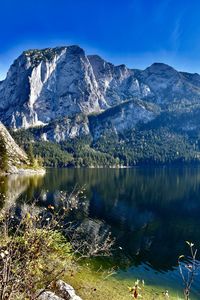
(151, 212)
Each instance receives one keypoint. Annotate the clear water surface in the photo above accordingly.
(150, 211)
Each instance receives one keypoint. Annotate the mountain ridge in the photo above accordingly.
(112, 89)
(65, 94)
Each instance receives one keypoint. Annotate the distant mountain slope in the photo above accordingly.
(61, 94)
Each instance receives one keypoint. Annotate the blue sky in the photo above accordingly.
(134, 32)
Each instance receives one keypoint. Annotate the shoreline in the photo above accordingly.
(22, 171)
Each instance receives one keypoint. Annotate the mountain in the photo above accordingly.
(12, 156)
(62, 95)
(44, 85)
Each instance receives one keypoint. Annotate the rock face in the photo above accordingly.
(50, 84)
(16, 156)
(123, 117)
(60, 88)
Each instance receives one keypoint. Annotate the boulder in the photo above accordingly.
(63, 291)
(47, 295)
(66, 291)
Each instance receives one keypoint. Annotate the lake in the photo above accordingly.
(151, 212)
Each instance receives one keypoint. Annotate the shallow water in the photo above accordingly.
(151, 213)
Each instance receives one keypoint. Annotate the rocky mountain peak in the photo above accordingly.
(160, 70)
(47, 54)
(53, 84)
(36, 56)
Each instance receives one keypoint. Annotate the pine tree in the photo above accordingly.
(30, 154)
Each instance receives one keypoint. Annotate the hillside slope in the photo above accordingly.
(14, 157)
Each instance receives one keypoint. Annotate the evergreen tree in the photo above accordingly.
(30, 154)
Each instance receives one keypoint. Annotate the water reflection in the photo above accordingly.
(151, 212)
(14, 186)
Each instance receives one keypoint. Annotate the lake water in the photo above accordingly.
(151, 213)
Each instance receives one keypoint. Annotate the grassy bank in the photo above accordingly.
(35, 254)
(91, 285)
